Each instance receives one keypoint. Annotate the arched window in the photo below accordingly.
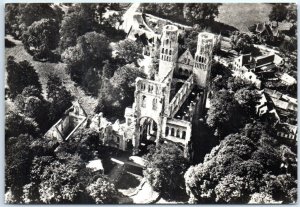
(167, 41)
(162, 50)
(170, 52)
(144, 101)
(166, 51)
(154, 104)
(172, 131)
(180, 71)
(167, 131)
(183, 134)
(178, 133)
(186, 72)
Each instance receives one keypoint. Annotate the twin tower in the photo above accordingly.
(153, 113)
(201, 61)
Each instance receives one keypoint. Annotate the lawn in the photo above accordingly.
(45, 68)
(243, 15)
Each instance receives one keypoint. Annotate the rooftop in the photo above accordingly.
(95, 165)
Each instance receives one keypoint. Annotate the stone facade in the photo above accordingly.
(152, 115)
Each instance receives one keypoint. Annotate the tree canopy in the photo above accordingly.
(241, 165)
(59, 97)
(20, 16)
(32, 104)
(278, 13)
(117, 93)
(225, 115)
(41, 37)
(86, 59)
(20, 75)
(196, 12)
(165, 166)
(130, 50)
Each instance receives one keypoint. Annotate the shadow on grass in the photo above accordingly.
(179, 197)
(9, 44)
(127, 180)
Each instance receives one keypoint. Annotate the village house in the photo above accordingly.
(256, 69)
(287, 79)
(279, 109)
(270, 31)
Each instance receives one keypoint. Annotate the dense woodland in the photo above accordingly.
(247, 165)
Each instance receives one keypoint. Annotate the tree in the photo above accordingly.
(225, 114)
(85, 60)
(247, 98)
(102, 191)
(32, 104)
(84, 142)
(230, 189)
(236, 83)
(278, 13)
(172, 11)
(41, 37)
(130, 50)
(60, 98)
(20, 16)
(20, 75)
(281, 187)
(288, 46)
(11, 20)
(91, 48)
(118, 93)
(73, 25)
(242, 43)
(262, 198)
(241, 165)
(196, 12)
(16, 124)
(108, 69)
(18, 157)
(59, 180)
(165, 166)
(34, 12)
(292, 13)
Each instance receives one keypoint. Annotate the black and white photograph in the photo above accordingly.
(150, 103)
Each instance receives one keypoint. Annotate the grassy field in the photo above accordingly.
(45, 68)
(243, 15)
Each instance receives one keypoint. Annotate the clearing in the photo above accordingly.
(243, 15)
(45, 68)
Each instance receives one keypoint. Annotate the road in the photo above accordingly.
(128, 17)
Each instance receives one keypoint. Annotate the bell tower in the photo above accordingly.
(203, 58)
(168, 52)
